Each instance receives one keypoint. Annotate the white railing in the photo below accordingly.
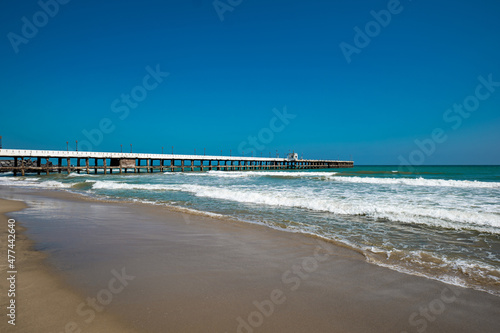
(85, 154)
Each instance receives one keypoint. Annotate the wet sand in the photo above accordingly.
(155, 270)
(44, 301)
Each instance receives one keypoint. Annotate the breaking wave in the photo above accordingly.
(431, 216)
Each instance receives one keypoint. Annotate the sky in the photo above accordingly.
(381, 82)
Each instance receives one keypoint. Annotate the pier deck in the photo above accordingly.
(21, 161)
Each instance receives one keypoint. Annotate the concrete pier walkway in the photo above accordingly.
(21, 161)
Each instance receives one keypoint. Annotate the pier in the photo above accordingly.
(22, 161)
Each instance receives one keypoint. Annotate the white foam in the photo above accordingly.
(53, 183)
(74, 174)
(411, 262)
(32, 182)
(417, 182)
(241, 174)
(114, 185)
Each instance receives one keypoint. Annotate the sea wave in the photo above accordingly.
(385, 172)
(74, 174)
(465, 272)
(115, 185)
(291, 174)
(32, 182)
(417, 182)
(452, 219)
(398, 212)
(336, 176)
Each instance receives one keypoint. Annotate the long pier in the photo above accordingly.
(22, 161)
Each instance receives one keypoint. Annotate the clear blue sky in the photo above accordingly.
(226, 76)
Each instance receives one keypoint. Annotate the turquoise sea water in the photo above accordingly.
(442, 222)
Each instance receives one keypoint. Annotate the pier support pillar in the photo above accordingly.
(15, 167)
(39, 164)
(22, 166)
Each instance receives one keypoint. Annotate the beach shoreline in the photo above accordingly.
(227, 276)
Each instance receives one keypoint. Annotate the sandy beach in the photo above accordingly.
(122, 267)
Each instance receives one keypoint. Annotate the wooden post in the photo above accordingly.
(78, 165)
(87, 165)
(59, 162)
(22, 166)
(104, 165)
(47, 165)
(15, 166)
(68, 165)
(39, 165)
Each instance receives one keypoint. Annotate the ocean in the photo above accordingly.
(441, 222)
